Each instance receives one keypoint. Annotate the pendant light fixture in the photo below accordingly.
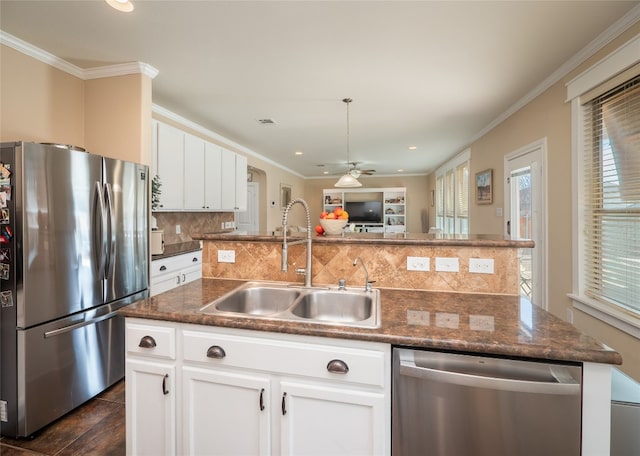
(347, 180)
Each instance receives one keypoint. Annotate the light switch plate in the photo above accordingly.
(226, 256)
(447, 264)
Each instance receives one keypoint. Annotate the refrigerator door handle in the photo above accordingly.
(66, 329)
(567, 386)
(99, 226)
(111, 227)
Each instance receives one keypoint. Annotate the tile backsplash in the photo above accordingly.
(190, 222)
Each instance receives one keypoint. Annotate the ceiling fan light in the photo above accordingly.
(121, 5)
(347, 180)
(355, 173)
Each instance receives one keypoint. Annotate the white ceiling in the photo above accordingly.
(421, 73)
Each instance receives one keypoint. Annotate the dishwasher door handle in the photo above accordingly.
(564, 387)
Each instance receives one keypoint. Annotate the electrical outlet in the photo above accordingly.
(417, 263)
(178, 229)
(222, 225)
(226, 256)
(229, 225)
(447, 264)
(481, 265)
(570, 316)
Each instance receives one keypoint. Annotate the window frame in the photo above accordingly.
(451, 224)
(621, 65)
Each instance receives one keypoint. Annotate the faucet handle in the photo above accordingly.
(368, 286)
(342, 284)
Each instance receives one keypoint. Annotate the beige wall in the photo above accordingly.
(417, 195)
(108, 116)
(548, 116)
(117, 117)
(38, 102)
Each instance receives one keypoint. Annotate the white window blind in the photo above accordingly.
(612, 197)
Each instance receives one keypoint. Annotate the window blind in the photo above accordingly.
(612, 197)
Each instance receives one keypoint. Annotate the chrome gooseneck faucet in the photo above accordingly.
(367, 282)
(285, 252)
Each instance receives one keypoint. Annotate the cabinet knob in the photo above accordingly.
(337, 366)
(216, 352)
(147, 342)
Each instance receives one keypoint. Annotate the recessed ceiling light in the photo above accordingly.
(401, 170)
(299, 152)
(412, 147)
(121, 5)
(325, 172)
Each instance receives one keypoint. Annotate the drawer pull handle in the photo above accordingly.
(337, 366)
(195, 260)
(177, 280)
(165, 391)
(216, 352)
(284, 404)
(147, 342)
(262, 399)
(163, 268)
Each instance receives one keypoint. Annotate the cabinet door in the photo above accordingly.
(171, 167)
(225, 413)
(327, 420)
(151, 409)
(213, 177)
(194, 169)
(241, 183)
(228, 180)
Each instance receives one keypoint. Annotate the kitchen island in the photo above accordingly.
(489, 324)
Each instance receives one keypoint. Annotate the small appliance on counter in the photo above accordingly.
(157, 242)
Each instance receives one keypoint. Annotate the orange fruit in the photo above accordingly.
(344, 215)
(338, 210)
(331, 215)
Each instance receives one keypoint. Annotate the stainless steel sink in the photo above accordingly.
(257, 300)
(335, 306)
(290, 302)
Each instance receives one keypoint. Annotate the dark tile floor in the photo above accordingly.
(96, 428)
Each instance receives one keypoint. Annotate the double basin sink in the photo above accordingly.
(278, 301)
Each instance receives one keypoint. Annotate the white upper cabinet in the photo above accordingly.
(197, 175)
(171, 167)
(194, 173)
(234, 181)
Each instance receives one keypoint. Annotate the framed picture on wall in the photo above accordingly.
(285, 195)
(484, 187)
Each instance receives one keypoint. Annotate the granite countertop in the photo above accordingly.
(476, 323)
(178, 249)
(478, 240)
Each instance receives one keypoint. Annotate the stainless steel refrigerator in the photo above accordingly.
(73, 250)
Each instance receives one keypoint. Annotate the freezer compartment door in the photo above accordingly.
(64, 363)
(57, 208)
(127, 265)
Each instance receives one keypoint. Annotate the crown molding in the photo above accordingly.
(121, 69)
(80, 73)
(164, 112)
(611, 33)
(39, 54)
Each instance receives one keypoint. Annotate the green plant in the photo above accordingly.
(155, 192)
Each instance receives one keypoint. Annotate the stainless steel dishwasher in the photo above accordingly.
(447, 404)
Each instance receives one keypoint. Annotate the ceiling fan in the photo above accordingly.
(356, 172)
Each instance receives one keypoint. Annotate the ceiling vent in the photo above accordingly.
(267, 121)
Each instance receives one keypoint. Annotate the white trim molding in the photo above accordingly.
(106, 71)
(626, 56)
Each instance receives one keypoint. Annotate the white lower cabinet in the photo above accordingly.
(150, 374)
(246, 392)
(224, 413)
(172, 272)
(321, 419)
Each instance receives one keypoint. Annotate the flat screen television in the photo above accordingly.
(364, 211)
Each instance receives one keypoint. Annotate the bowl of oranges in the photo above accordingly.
(332, 222)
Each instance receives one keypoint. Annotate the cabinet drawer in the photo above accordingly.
(150, 340)
(175, 264)
(365, 366)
